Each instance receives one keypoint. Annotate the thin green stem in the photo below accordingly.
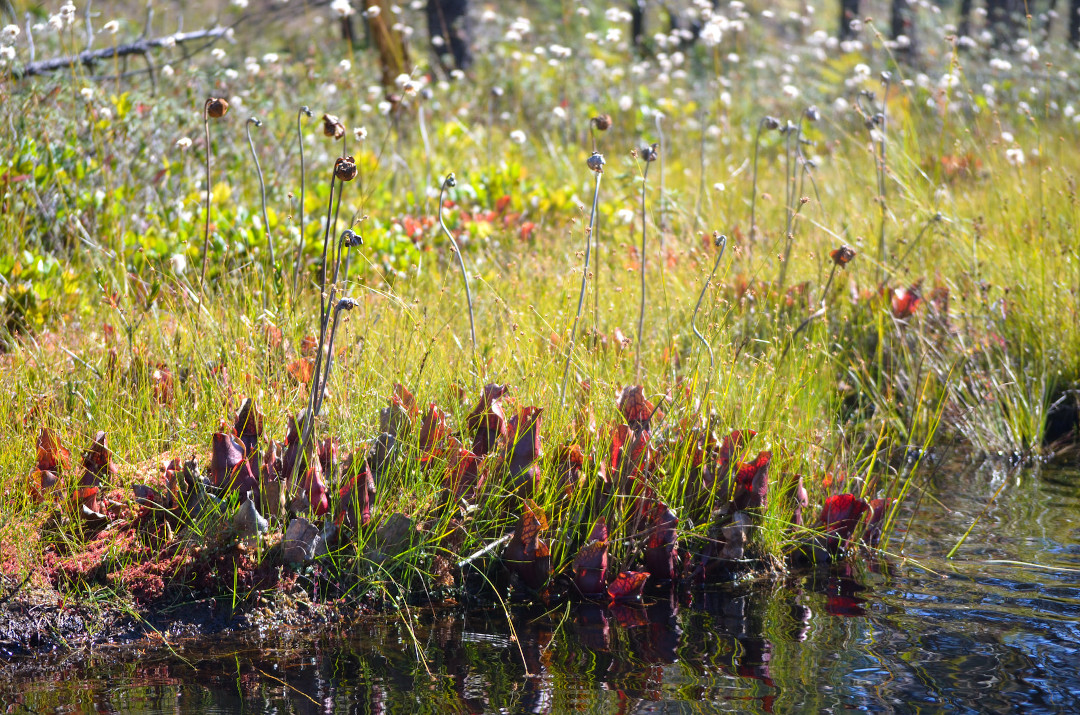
(451, 182)
(581, 294)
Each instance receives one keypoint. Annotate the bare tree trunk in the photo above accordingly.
(849, 10)
(1006, 19)
(393, 55)
(637, 22)
(902, 22)
(965, 18)
(449, 21)
(1074, 23)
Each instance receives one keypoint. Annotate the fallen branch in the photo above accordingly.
(139, 47)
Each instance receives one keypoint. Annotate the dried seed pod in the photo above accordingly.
(602, 122)
(596, 162)
(771, 123)
(345, 168)
(216, 107)
(332, 126)
(843, 255)
(650, 153)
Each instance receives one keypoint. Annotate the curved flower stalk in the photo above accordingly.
(765, 123)
(451, 182)
(649, 154)
(213, 108)
(596, 163)
(720, 241)
(262, 186)
(302, 112)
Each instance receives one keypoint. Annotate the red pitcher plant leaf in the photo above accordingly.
(627, 586)
(590, 563)
(526, 555)
(53, 460)
(97, 468)
(840, 517)
(635, 409)
(661, 557)
(464, 476)
(433, 430)
(229, 468)
(487, 421)
(524, 452)
(357, 496)
(752, 483)
(905, 301)
(314, 494)
(249, 428)
(801, 499)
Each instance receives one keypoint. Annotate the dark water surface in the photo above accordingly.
(996, 629)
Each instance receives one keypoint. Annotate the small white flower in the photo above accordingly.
(359, 133)
(517, 136)
(372, 11)
(559, 112)
(9, 34)
(341, 8)
(1014, 155)
(218, 54)
(87, 93)
(345, 65)
(168, 41)
(626, 102)
(1007, 137)
(183, 143)
(111, 27)
(457, 74)
(179, 262)
(242, 4)
(790, 91)
(168, 71)
(385, 107)
(719, 186)
(271, 58)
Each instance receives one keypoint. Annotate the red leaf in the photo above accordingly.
(840, 517)
(487, 421)
(526, 555)
(433, 430)
(590, 564)
(301, 370)
(661, 559)
(752, 483)
(905, 301)
(524, 431)
(249, 426)
(635, 409)
(627, 587)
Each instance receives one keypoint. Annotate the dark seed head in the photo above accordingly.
(596, 162)
(843, 255)
(770, 123)
(345, 168)
(602, 122)
(216, 108)
(332, 127)
(650, 153)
